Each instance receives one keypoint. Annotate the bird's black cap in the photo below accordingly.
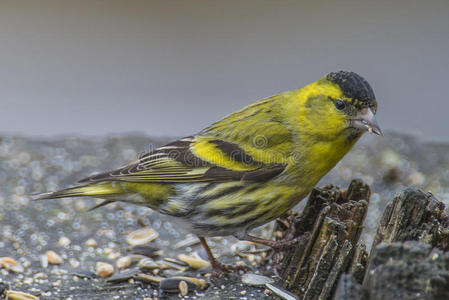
(353, 86)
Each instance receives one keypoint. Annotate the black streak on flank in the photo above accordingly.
(353, 86)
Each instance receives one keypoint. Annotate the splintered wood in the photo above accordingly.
(334, 219)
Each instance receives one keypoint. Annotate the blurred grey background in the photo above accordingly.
(172, 67)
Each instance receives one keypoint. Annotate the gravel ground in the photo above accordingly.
(81, 239)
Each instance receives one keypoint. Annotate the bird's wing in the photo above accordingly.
(193, 159)
(248, 145)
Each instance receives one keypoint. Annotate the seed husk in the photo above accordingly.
(183, 288)
(53, 258)
(142, 236)
(16, 295)
(195, 261)
(123, 276)
(255, 280)
(123, 262)
(147, 264)
(7, 262)
(283, 294)
(170, 263)
(187, 242)
(148, 278)
(171, 285)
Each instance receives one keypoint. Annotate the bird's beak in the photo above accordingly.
(366, 120)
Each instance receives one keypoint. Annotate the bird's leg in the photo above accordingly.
(276, 245)
(218, 267)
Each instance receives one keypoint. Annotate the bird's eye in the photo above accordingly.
(340, 104)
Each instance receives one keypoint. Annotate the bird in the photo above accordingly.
(248, 168)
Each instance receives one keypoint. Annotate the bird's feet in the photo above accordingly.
(219, 269)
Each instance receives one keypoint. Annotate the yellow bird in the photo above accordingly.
(248, 168)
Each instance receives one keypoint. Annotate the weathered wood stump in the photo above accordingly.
(409, 258)
(334, 219)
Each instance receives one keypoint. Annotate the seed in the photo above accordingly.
(171, 285)
(142, 236)
(283, 294)
(122, 276)
(195, 262)
(104, 269)
(148, 278)
(147, 264)
(183, 288)
(15, 295)
(255, 280)
(7, 262)
(123, 262)
(170, 263)
(53, 258)
(187, 242)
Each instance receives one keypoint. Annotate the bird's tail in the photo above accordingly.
(103, 190)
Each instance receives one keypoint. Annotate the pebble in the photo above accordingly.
(7, 262)
(104, 269)
(255, 280)
(195, 261)
(123, 262)
(53, 258)
(142, 236)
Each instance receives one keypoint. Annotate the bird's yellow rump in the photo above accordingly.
(250, 167)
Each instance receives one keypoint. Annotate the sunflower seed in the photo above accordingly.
(255, 280)
(148, 278)
(142, 236)
(195, 261)
(147, 264)
(183, 288)
(15, 295)
(187, 242)
(123, 262)
(121, 277)
(171, 285)
(284, 294)
(7, 262)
